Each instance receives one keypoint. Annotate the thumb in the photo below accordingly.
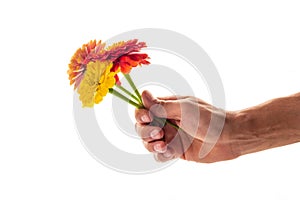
(166, 108)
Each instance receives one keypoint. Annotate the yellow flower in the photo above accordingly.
(96, 82)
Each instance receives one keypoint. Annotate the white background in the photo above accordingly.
(255, 46)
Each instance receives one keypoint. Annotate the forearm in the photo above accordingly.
(271, 124)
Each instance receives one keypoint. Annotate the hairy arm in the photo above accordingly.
(272, 124)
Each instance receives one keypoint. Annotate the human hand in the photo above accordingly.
(168, 143)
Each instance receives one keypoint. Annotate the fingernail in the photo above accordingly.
(145, 118)
(158, 148)
(168, 154)
(155, 134)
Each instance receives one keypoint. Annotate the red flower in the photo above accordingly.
(126, 62)
(118, 82)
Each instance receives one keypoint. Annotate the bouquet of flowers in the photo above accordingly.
(94, 70)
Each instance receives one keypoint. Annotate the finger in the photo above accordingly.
(143, 116)
(165, 156)
(157, 146)
(162, 108)
(173, 97)
(149, 133)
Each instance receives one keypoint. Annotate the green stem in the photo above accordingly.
(163, 121)
(127, 92)
(121, 96)
(173, 125)
(138, 98)
(128, 78)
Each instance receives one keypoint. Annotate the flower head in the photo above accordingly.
(122, 48)
(97, 80)
(80, 60)
(124, 57)
(127, 61)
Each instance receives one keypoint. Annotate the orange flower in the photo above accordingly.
(126, 62)
(80, 60)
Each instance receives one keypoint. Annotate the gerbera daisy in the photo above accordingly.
(80, 60)
(97, 81)
(127, 61)
(124, 56)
